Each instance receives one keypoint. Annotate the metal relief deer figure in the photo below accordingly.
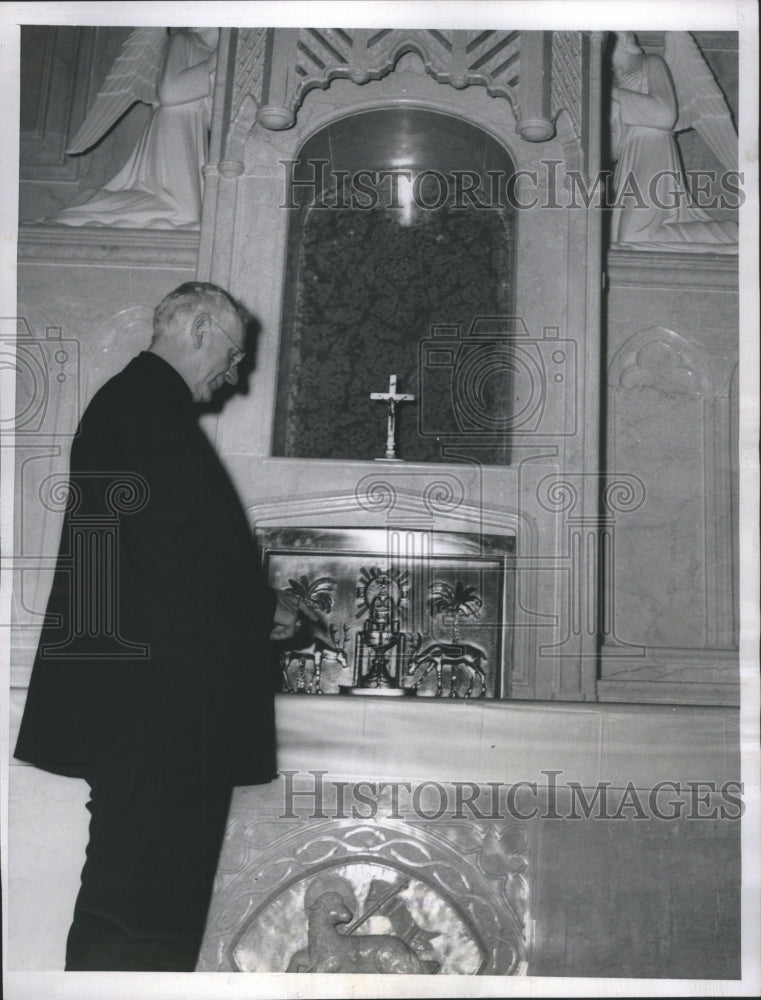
(458, 601)
(302, 668)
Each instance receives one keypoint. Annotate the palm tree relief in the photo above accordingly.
(465, 661)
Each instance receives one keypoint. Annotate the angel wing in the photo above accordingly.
(133, 77)
(702, 105)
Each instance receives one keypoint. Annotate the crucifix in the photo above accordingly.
(392, 397)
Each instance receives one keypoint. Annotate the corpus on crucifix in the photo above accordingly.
(392, 397)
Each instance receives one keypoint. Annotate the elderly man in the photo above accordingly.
(177, 708)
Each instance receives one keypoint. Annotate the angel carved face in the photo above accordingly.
(626, 52)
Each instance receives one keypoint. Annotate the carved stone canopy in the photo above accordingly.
(277, 67)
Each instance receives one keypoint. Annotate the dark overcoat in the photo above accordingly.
(155, 646)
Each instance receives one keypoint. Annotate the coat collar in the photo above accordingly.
(165, 377)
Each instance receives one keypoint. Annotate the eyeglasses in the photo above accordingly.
(234, 356)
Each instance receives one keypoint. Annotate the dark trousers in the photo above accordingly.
(155, 838)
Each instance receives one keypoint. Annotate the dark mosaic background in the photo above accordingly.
(367, 290)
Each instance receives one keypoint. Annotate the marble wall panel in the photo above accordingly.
(643, 899)
(658, 426)
(671, 420)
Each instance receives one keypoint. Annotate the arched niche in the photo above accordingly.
(400, 259)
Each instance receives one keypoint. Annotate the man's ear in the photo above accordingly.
(199, 328)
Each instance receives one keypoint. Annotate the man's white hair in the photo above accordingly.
(193, 297)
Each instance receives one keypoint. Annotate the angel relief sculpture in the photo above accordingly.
(161, 184)
(652, 99)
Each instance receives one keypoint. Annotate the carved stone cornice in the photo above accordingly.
(667, 268)
(728, 41)
(108, 246)
(669, 693)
